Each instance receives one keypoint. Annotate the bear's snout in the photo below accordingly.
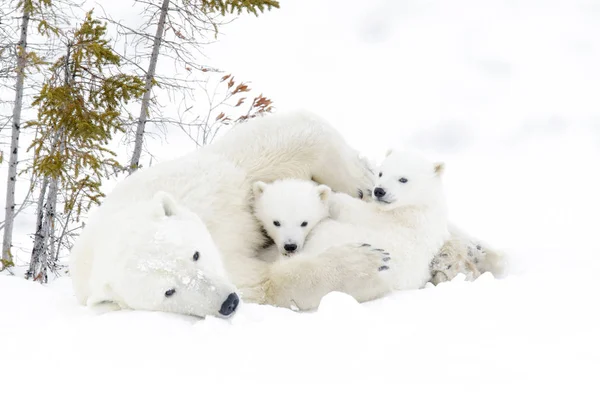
(379, 192)
(290, 247)
(229, 305)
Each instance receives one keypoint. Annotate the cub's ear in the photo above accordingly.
(439, 168)
(323, 192)
(166, 204)
(258, 188)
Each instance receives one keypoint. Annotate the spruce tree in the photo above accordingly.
(233, 6)
(80, 108)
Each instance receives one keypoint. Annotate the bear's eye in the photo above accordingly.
(196, 256)
(403, 180)
(380, 174)
(304, 224)
(169, 292)
(276, 223)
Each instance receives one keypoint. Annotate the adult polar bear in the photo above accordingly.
(180, 236)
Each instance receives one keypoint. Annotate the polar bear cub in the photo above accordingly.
(407, 216)
(288, 210)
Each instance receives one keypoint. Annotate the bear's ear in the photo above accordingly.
(258, 188)
(167, 206)
(323, 192)
(438, 168)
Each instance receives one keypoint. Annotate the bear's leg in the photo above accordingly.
(300, 282)
(342, 169)
(298, 145)
(344, 208)
(450, 261)
(464, 254)
(485, 258)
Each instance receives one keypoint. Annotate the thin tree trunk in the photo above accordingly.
(141, 125)
(46, 213)
(44, 226)
(48, 229)
(9, 214)
(38, 241)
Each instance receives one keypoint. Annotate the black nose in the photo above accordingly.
(290, 247)
(229, 305)
(379, 192)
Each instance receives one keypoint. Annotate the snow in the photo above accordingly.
(505, 93)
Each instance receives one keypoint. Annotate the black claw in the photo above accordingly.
(386, 253)
(384, 268)
(448, 266)
(476, 260)
(386, 258)
(377, 249)
(365, 245)
(478, 247)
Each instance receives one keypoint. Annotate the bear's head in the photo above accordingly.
(406, 179)
(289, 209)
(162, 259)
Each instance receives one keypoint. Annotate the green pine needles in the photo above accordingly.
(79, 110)
(232, 6)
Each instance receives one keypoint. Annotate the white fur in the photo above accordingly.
(289, 209)
(410, 221)
(140, 242)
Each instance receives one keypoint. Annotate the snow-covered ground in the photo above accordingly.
(506, 93)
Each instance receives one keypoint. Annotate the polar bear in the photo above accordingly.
(281, 205)
(180, 236)
(408, 218)
(288, 210)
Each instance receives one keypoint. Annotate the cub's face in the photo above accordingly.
(289, 210)
(170, 263)
(406, 179)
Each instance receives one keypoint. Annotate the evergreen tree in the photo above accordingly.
(80, 108)
(232, 6)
